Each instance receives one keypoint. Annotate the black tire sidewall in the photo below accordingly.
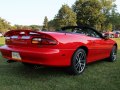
(113, 50)
(73, 69)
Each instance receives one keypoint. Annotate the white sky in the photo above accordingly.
(28, 12)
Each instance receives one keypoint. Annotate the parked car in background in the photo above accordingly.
(109, 34)
(117, 34)
(114, 34)
(1, 35)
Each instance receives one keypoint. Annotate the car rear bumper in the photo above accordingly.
(41, 56)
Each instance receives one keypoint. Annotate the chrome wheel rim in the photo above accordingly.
(114, 55)
(80, 62)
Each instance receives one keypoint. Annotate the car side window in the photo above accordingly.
(91, 33)
(82, 30)
(78, 30)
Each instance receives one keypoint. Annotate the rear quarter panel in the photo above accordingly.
(70, 41)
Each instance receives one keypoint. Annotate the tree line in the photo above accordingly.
(5, 26)
(100, 14)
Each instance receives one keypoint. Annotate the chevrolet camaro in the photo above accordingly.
(72, 46)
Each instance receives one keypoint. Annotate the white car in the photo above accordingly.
(1, 35)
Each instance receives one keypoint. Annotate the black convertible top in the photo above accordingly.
(81, 27)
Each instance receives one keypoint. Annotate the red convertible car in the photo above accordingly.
(72, 47)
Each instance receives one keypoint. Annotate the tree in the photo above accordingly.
(4, 25)
(52, 25)
(35, 27)
(25, 27)
(65, 17)
(114, 18)
(108, 10)
(97, 13)
(45, 23)
(13, 27)
(88, 12)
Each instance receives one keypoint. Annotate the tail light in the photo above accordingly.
(7, 39)
(44, 41)
(36, 40)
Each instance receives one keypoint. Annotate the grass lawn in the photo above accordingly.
(2, 41)
(100, 75)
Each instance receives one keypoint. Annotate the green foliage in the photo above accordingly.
(35, 27)
(107, 5)
(30, 27)
(109, 27)
(65, 17)
(4, 25)
(114, 19)
(109, 11)
(52, 25)
(13, 27)
(88, 12)
(45, 23)
(2, 41)
(97, 13)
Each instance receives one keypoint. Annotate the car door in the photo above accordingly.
(99, 48)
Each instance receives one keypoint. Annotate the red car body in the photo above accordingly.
(53, 48)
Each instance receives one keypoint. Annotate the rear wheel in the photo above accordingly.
(113, 54)
(78, 63)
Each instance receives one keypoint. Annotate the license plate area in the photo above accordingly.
(16, 55)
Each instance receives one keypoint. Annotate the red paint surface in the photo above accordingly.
(55, 55)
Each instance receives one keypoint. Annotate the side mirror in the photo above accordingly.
(106, 37)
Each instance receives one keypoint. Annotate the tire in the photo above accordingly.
(78, 62)
(113, 54)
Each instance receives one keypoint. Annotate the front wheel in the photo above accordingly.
(78, 63)
(113, 54)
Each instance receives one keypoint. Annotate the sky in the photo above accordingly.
(32, 12)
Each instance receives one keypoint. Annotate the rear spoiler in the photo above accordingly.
(21, 32)
(27, 33)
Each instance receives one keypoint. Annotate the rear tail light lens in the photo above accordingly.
(48, 42)
(36, 40)
(7, 38)
(44, 41)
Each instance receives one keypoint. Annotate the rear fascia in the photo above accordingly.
(41, 56)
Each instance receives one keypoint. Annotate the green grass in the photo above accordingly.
(2, 41)
(118, 42)
(100, 75)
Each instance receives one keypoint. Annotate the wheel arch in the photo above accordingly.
(80, 47)
(116, 45)
(83, 47)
